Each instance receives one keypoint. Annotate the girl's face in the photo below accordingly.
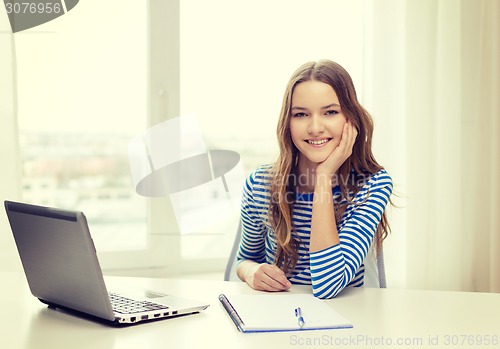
(316, 122)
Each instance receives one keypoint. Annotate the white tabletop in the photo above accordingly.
(381, 318)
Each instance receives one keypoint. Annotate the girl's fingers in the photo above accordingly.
(347, 141)
(344, 140)
(269, 284)
(347, 134)
(354, 135)
(271, 278)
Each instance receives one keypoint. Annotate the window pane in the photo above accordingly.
(82, 96)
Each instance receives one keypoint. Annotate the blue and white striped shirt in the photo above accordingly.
(330, 270)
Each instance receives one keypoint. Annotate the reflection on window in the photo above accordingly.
(89, 173)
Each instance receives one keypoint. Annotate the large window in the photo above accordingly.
(82, 82)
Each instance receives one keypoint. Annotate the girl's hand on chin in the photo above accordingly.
(341, 153)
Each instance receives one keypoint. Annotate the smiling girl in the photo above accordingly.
(312, 216)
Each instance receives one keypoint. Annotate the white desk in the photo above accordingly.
(381, 317)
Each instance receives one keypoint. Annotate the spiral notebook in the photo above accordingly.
(279, 312)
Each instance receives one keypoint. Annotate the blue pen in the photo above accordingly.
(298, 315)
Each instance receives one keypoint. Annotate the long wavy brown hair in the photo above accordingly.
(362, 161)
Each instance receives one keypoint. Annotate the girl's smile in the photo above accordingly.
(318, 142)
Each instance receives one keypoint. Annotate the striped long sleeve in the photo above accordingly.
(332, 269)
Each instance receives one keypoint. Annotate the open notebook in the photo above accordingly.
(277, 312)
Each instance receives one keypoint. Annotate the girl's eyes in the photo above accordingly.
(328, 112)
(332, 112)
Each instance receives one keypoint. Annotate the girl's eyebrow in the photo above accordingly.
(331, 105)
(325, 107)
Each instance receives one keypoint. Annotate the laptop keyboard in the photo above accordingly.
(124, 305)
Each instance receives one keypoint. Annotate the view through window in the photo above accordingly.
(82, 97)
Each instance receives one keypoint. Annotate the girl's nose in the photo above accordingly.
(315, 126)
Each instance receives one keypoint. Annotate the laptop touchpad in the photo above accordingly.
(152, 295)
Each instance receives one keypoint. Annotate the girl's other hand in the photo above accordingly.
(266, 277)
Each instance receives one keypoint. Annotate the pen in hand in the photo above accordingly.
(298, 315)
